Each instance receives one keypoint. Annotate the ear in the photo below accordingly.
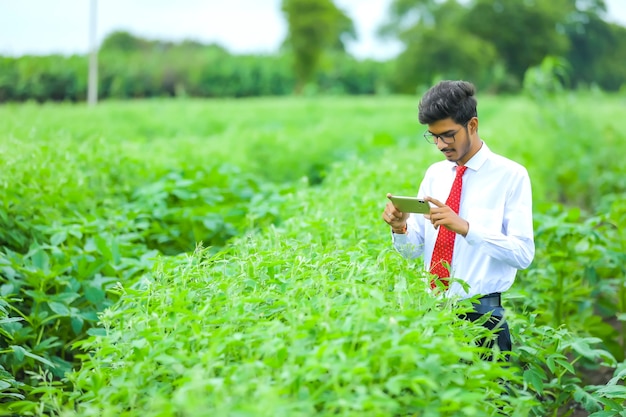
(472, 125)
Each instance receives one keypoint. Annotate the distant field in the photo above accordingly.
(267, 137)
(295, 304)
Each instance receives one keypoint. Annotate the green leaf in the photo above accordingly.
(41, 260)
(620, 374)
(6, 290)
(76, 233)
(59, 308)
(94, 295)
(10, 320)
(582, 347)
(394, 385)
(613, 391)
(586, 399)
(97, 331)
(77, 324)
(66, 297)
(604, 414)
(565, 364)
(58, 238)
(89, 315)
(582, 246)
(20, 352)
(611, 404)
(533, 378)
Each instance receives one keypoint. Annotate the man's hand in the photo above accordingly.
(442, 215)
(394, 217)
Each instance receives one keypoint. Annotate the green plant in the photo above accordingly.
(297, 305)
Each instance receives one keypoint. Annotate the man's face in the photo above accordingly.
(463, 140)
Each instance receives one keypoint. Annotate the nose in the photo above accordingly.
(440, 143)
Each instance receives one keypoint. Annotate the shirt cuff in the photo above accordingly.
(475, 235)
(400, 238)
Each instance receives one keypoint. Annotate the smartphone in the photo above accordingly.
(410, 204)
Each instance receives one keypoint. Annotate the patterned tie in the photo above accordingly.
(444, 246)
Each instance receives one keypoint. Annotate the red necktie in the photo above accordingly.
(444, 246)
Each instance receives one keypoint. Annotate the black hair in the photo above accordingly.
(448, 99)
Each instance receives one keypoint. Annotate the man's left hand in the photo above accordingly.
(442, 215)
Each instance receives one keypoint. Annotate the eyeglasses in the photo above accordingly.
(446, 138)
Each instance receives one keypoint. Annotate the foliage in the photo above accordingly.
(58, 287)
(76, 222)
(179, 73)
(579, 261)
(296, 305)
(43, 78)
(610, 76)
(122, 41)
(206, 72)
(493, 44)
(550, 77)
(287, 346)
(530, 33)
(339, 73)
(548, 359)
(313, 27)
(432, 56)
(509, 36)
(605, 400)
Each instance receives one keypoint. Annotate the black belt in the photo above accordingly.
(492, 300)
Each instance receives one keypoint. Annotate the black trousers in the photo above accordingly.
(503, 334)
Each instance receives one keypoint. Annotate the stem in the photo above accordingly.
(565, 370)
(621, 301)
(40, 334)
(558, 300)
(47, 319)
(16, 310)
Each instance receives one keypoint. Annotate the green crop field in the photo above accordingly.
(228, 258)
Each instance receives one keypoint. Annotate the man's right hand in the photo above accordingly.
(394, 217)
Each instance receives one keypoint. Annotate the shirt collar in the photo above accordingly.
(478, 160)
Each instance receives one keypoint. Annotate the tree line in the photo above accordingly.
(494, 43)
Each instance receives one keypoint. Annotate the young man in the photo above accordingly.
(480, 227)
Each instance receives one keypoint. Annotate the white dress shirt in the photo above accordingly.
(496, 201)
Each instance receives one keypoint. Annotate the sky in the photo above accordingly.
(242, 26)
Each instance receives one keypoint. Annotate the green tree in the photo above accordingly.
(548, 78)
(597, 47)
(123, 41)
(404, 15)
(313, 27)
(434, 55)
(127, 42)
(523, 31)
(437, 46)
(591, 39)
(611, 72)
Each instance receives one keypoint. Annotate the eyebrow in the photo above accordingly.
(442, 133)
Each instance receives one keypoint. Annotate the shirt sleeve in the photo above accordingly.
(411, 244)
(515, 245)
